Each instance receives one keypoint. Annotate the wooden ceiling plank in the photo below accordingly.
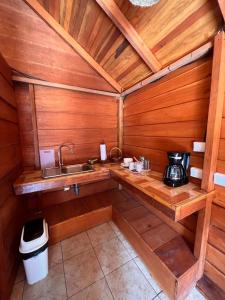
(222, 7)
(71, 41)
(196, 54)
(118, 18)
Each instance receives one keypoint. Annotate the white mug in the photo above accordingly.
(127, 160)
(131, 166)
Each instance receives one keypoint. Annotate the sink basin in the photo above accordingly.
(80, 168)
(67, 170)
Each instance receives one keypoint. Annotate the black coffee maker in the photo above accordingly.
(176, 173)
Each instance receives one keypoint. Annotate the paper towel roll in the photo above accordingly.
(103, 152)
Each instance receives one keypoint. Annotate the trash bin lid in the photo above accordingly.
(33, 230)
(34, 235)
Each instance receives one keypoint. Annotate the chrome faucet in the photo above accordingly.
(60, 153)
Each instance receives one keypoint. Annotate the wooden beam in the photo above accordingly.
(201, 237)
(62, 86)
(222, 7)
(36, 6)
(120, 122)
(118, 18)
(215, 112)
(34, 124)
(187, 59)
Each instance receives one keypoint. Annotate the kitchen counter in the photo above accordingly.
(177, 203)
(32, 181)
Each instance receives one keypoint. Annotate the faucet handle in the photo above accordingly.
(92, 161)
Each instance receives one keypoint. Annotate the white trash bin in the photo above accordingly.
(34, 250)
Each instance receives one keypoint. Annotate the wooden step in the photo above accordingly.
(164, 251)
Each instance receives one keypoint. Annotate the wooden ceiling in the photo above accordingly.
(169, 29)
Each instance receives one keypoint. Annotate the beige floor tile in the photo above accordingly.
(114, 228)
(147, 274)
(75, 245)
(101, 233)
(17, 292)
(111, 255)
(195, 295)
(54, 254)
(128, 246)
(51, 288)
(97, 291)
(20, 276)
(81, 271)
(128, 283)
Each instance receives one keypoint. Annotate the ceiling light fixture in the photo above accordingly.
(144, 3)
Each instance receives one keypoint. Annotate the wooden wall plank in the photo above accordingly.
(118, 18)
(194, 129)
(71, 42)
(11, 208)
(169, 115)
(214, 274)
(217, 238)
(6, 91)
(48, 57)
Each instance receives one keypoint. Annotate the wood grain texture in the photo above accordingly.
(169, 115)
(73, 217)
(71, 42)
(113, 11)
(215, 112)
(157, 249)
(176, 203)
(63, 116)
(47, 57)
(189, 25)
(202, 232)
(12, 208)
(210, 289)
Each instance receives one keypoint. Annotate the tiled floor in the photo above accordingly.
(98, 264)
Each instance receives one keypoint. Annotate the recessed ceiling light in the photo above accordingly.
(144, 3)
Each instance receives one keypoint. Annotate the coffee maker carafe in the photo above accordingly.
(176, 173)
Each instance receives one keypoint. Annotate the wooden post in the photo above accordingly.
(120, 123)
(215, 113)
(201, 237)
(34, 124)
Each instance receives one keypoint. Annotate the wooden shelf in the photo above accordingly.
(164, 251)
(177, 203)
(74, 216)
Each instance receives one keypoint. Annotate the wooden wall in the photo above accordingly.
(41, 53)
(169, 115)
(49, 117)
(11, 208)
(80, 119)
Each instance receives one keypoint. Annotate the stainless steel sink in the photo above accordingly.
(67, 170)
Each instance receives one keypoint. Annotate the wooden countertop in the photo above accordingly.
(32, 181)
(177, 203)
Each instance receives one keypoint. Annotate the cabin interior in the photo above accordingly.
(78, 80)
